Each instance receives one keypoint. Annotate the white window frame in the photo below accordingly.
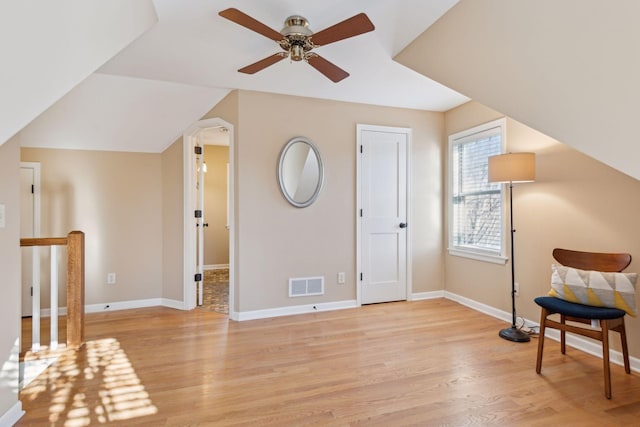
(467, 252)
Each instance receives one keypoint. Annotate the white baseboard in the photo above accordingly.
(171, 303)
(295, 309)
(577, 342)
(215, 267)
(121, 305)
(12, 416)
(426, 295)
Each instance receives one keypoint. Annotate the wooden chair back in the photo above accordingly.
(609, 262)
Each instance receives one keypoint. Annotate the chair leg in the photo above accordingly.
(543, 318)
(605, 358)
(625, 348)
(563, 346)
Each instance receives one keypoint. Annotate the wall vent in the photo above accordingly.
(304, 286)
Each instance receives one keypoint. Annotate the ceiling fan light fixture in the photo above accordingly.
(296, 25)
(296, 53)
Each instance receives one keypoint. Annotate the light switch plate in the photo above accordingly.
(3, 215)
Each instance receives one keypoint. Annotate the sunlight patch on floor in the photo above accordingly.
(118, 393)
(31, 369)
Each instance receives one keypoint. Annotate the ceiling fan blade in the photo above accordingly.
(241, 18)
(263, 63)
(356, 25)
(330, 70)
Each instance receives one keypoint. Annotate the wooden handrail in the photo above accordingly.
(75, 281)
(44, 241)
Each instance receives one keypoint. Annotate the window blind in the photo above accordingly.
(475, 203)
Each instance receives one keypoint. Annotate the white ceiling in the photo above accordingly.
(142, 98)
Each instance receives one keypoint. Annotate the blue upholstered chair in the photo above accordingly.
(609, 319)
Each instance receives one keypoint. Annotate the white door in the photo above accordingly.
(383, 215)
(29, 227)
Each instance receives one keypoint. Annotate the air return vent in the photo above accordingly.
(303, 286)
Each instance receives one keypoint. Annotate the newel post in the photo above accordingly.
(75, 289)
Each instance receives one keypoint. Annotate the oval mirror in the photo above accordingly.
(300, 172)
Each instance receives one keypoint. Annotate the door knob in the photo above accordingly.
(403, 225)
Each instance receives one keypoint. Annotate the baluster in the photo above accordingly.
(54, 297)
(35, 300)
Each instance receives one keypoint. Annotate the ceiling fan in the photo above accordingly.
(298, 41)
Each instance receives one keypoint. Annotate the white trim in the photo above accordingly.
(418, 296)
(215, 267)
(13, 415)
(482, 308)
(35, 257)
(36, 194)
(171, 303)
(121, 305)
(189, 255)
(296, 309)
(574, 341)
(496, 259)
(128, 305)
(409, 185)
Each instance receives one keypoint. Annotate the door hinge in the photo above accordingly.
(197, 149)
(361, 212)
(33, 189)
(361, 277)
(198, 213)
(197, 277)
(361, 149)
(32, 291)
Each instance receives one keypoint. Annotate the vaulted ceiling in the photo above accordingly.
(131, 76)
(569, 69)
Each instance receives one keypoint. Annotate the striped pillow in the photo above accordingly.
(595, 288)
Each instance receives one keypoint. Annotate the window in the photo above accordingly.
(475, 205)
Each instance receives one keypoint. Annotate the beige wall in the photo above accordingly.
(576, 202)
(278, 241)
(216, 235)
(10, 276)
(116, 199)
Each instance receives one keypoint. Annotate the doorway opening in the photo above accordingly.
(208, 216)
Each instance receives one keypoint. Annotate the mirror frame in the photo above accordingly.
(320, 182)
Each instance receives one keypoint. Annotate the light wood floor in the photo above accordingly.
(411, 363)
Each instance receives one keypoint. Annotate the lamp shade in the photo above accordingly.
(512, 167)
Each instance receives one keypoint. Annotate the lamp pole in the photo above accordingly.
(513, 333)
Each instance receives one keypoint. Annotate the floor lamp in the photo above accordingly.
(510, 168)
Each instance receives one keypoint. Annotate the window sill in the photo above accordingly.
(496, 259)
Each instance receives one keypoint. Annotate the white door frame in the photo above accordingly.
(189, 258)
(35, 275)
(36, 194)
(407, 131)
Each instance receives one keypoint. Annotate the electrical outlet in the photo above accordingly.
(341, 277)
(516, 287)
(111, 278)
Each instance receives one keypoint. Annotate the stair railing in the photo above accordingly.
(75, 290)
